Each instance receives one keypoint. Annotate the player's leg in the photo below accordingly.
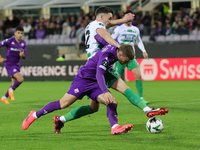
(135, 69)
(114, 81)
(137, 73)
(65, 101)
(76, 113)
(11, 69)
(17, 79)
(112, 117)
(120, 86)
(80, 111)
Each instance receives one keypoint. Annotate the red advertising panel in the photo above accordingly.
(167, 69)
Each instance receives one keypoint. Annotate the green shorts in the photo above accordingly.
(111, 76)
(131, 65)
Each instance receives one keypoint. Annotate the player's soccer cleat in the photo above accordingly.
(5, 101)
(57, 124)
(159, 111)
(27, 122)
(121, 129)
(11, 94)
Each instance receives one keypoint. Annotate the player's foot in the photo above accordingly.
(5, 101)
(57, 124)
(11, 94)
(159, 111)
(27, 122)
(121, 129)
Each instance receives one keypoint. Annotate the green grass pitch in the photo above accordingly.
(92, 132)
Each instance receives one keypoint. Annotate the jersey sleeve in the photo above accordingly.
(100, 39)
(115, 33)
(139, 42)
(6, 42)
(102, 67)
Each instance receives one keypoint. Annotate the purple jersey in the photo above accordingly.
(98, 65)
(12, 50)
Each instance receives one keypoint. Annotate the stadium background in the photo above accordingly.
(58, 42)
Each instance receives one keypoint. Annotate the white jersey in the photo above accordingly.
(92, 46)
(128, 35)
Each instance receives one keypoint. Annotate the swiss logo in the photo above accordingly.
(149, 69)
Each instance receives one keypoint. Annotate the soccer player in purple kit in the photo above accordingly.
(90, 81)
(15, 49)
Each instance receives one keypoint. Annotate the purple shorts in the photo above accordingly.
(81, 87)
(12, 68)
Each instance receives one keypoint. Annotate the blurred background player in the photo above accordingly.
(129, 34)
(15, 49)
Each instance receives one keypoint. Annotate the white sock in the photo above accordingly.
(11, 90)
(4, 97)
(62, 119)
(146, 109)
(34, 115)
(114, 126)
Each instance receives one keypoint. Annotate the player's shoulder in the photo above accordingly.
(98, 24)
(135, 28)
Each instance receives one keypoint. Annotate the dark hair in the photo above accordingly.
(19, 29)
(127, 51)
(127, 12)
(103, 9)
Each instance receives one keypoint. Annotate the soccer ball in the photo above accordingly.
(154, 125)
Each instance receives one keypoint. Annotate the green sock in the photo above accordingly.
(139, 87)
(134, 99)
(78, 112)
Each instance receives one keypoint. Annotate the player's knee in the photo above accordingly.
(21, 79)
(115, 102)
(139, 77)
(95, 109)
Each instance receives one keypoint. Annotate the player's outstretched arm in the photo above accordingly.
(107, 37)
(128, 17)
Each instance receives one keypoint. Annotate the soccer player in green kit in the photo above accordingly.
(129, 34)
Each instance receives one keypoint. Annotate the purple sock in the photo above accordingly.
(55, 105)
(16, 84)
(6, 95)
(112, 113)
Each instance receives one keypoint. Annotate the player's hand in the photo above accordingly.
(109, 98)
(2, 60)
(128, 17)
(21, 54)
(145, 55)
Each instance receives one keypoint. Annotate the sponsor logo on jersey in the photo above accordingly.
(101, 24)
(16, 49)
(105, 63)
(76, 90)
